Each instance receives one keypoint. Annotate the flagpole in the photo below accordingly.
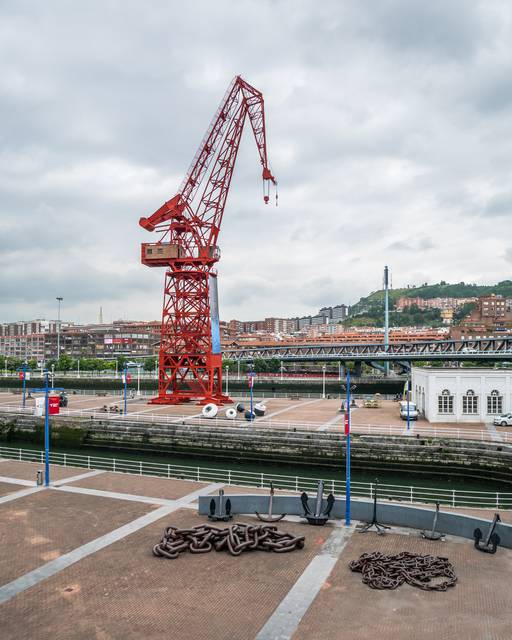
(347, 470)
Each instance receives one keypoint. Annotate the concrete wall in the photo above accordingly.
(387, 513)
(428, 385)
(324, 449)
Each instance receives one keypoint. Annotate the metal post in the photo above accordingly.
(59, 300)
(408, 400)
(252, 382)
(323, 381)
(281, 370)
(46, 433)
(138, 378)
(386, 317)
(238, 365)
(78, 368)
(347, 470)
(227, 380)
(125, 388)
(24, 383)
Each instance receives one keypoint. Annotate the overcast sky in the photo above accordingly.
(389, 128)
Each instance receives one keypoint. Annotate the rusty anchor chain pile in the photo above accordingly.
(389, 572)
(234, 539)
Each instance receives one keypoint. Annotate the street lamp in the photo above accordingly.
(282, 370)
(323, 380)
(53, 374)
(59, 300)
(139, 365)
(227, 380)
(348, 388)
(408, 400)
(238, 365)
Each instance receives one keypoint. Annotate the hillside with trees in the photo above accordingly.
(369, 310)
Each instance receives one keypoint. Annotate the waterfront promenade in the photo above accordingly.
(76, 562)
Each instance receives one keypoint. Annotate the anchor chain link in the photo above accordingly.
(380, 571)
(234, 539)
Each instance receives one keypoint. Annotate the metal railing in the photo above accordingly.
(416, 430)
(392, 492)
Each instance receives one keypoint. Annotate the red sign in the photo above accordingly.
(22, 375)
(347, 424)
(53, 405)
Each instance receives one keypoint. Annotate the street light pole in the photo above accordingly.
(138, 378)
(347, 468)
(24, 374)
(227, 380)
(125, 389)
(281, 370)
(408, 399)
(59, 300)
(238, 364)
(323, 381)
(46, 432)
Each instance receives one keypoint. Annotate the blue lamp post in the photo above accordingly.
(125, 379)
(347, 462)
(24, 382)
(46, 390)
(408, 399)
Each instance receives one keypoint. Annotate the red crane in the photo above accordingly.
(190, 359)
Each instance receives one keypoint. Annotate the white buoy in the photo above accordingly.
(210, 410)
(231, 413)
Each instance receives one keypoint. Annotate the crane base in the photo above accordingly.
(180, 398)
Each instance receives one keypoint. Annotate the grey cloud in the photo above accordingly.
(387, 129)
(499, 205)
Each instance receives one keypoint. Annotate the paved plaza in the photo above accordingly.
(76, 562)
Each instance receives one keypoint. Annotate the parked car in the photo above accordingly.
(412, 410)
(505, 420)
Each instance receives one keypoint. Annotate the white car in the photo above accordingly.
(504, 420)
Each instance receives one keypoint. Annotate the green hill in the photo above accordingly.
(369, 309)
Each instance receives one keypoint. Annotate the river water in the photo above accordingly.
(447, 480)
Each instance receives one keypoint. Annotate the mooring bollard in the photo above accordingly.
(39, 480)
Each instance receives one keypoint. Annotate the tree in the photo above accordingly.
(149, 363)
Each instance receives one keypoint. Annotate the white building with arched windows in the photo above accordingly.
(461, 395)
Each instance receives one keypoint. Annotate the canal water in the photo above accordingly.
(408, 477)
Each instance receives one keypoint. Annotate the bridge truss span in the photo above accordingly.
(483, 349)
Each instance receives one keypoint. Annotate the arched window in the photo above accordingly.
(495, 402)
(470, 402)
(445, 402)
